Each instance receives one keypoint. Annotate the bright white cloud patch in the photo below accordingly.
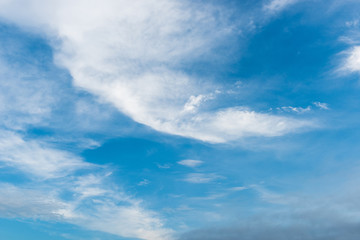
(127, 53)
(352, 63)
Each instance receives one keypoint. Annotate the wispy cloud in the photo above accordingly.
(201, 177)
(190, 162)
(321, 105)
(96, 202)
(235, 189)
(163, 166)
(59, 185)
(295, 109)
(94, 207)
(24, 102)
(273, 197)
(294, 216)
(144, 182)
(275, 6)
(34, 158)
(32, 203)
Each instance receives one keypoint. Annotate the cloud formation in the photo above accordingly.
(52, 182)
(93, 206)
(129, 54)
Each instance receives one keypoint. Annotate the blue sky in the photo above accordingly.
(179, 120)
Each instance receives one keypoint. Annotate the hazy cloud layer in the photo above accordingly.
(293, 216)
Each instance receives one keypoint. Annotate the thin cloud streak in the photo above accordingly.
(201, 177)
(190, 163)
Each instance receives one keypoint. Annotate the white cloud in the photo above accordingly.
(352, 62)
(96, 203)
(193, 103)
(35, 158)
(23, 101)
(31, 203)
(127, 53)
(295, 109)
(235, 189)
(110, 211)
(275, 6)
(233, 123)
(105, 208)
(201, 177)
(190, 162)
(29, 97)
(321, 105)
(163, 166)
(128, 221)
(144, 182)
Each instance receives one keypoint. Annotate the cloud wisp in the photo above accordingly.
(190, 163)
(93, 201)
(93, 206)
(201, 177)
(35, 159)
(275, 6)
